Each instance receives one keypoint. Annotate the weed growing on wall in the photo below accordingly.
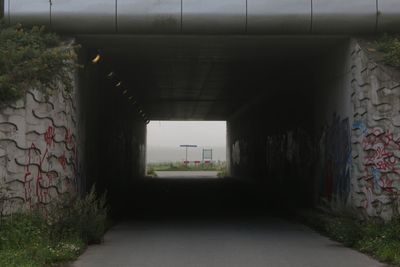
(374, 237)
(58, 234)
(390, 46)
(85, 216)
(33, 58)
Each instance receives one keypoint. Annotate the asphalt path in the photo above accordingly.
(187, 174)
(268, 242)
(175, 222)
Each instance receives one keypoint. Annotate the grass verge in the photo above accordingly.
(57, 235)
(378, 239)
(179, 166)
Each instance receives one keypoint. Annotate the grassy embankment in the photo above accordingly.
(374, 237)
(220, 167)
(51, 235)
(56, 233)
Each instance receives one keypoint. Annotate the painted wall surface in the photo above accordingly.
(113, 134)
(39, 150)
(332, 124)
(270, 140)
(359, 147)
(348, 148)
(67, 143)
(375, 135)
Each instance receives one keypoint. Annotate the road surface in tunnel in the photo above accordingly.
(187, 174)
(212, 223)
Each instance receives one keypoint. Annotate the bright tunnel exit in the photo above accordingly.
(191, 149)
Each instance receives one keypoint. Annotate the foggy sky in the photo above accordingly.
(175, 133)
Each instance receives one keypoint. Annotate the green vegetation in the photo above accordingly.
(33, 58)
(180, 166)
(58, 235)
(374, 237)
(390, 46)
(222, 173)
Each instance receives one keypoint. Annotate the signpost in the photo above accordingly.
(207, 155)
(187, 146)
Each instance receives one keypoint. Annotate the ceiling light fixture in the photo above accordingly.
(110, 75)
(96, 59)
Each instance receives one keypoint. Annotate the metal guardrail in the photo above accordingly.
(208, 16)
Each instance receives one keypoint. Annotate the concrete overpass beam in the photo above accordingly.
(29, 12)
(279, 17)
(342, 16)
(208, 17)
(77, 16)
(151, 16)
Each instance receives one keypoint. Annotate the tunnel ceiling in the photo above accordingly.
(206, 77)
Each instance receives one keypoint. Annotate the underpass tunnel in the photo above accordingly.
(277, 94)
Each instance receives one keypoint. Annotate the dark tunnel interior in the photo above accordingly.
(266, 88)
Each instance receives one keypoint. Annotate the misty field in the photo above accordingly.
(219, 166)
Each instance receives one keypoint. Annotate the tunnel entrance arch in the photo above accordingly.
(277, 93)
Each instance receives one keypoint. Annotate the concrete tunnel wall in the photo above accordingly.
(65, 144)
(114, 135)
(337, 137)
(268, 139)
(40, 150)
(325, 127)
(317, 135)
(298, 142)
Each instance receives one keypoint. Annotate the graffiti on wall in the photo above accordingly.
(380, 171)
(376, 137)
(335, 144)
(292, 150)
(40, 153)
(380, 160)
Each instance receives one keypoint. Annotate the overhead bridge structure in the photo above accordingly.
(207, 16)
(312, 112)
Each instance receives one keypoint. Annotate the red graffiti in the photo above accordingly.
(38, 177)
(68, 137)
(37, 159)
(377, 144)
(63, 161)
(380, 162)
(49, 135)
(27, 188)
(386, 183)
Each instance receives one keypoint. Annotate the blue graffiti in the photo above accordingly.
(376, 175)
(338, 160)
(359, 125)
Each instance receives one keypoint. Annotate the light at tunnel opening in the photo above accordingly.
(186, 148)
